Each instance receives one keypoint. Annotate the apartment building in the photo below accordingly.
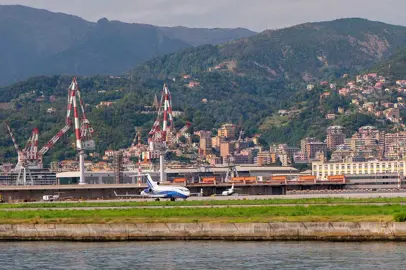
(335, 137)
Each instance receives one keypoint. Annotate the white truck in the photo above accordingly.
(50, 198)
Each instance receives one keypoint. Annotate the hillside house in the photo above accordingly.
(401, 83)
(344, 91)
(325, 95)
(105, 104)
(324, 83)
(330, 116)
(310, 87)
(51, 110)
(193, 84)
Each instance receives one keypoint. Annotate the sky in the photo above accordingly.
(256, 15)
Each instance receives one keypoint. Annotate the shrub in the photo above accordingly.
(401, 217)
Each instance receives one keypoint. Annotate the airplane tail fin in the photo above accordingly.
(150, 182)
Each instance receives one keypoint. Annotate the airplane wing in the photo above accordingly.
(156, 196)
(240, 194)
(128, 195)
(140, 196)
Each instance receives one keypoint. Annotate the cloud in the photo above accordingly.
(253, 14)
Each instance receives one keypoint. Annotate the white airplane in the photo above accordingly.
(158, 192)
(229, 191)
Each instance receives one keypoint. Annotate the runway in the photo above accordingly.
(190, 206)
(222, 198)
(291, 196)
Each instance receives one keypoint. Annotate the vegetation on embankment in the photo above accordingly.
(319, 213)
(207, 202)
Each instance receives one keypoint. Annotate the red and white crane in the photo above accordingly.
(25, 156)
(160, 136)
(83, 131)
(31, 157)
(157, 134)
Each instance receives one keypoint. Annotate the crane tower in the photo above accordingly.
(30, 158)
(160, 136)
(83, 130)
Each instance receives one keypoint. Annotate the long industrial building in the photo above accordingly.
(364, 175)
(193, 175)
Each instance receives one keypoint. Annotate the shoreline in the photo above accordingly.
(274, 231)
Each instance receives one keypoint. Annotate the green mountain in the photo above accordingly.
(303, 53)
(202, 36)
(246, 82)
(38, 42)
(394, 67)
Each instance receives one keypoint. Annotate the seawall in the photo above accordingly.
(334, 231)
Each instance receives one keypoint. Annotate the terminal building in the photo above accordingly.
(192, 175)
(364, 175)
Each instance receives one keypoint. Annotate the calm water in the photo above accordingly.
(202, 255)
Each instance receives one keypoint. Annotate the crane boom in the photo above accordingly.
(181, 133)
(53, 140)
(12, 137)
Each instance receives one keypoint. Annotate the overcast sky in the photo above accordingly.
(256, 15)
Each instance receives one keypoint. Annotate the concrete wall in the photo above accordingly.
(337, 231)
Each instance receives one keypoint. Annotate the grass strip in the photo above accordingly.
(208, 202)
(232, 214)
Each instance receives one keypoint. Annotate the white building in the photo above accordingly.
(322, 170)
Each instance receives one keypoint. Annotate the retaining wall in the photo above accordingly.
(338, 231)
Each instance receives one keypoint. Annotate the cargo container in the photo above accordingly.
(238, 179)
(208, 179)
(244, 179)
(307, 178)
(278, 178)
(336, 178)
(179, 180)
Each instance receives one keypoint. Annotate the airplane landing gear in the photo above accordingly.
(172, 199)
(157, 199)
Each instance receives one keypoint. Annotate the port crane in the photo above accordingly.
(23, 163)
(158, 137)
(29, 157)
(83, 129)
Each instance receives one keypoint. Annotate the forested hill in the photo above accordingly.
(394, 67)
(39, 42)
(245, 82)
(201, 36)
(304, 52)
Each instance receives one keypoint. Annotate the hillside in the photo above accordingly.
(39, 42)
(202, 36)
(25, 106)
(394, 67)
(282, 113)
(212, 85)
(302, 53)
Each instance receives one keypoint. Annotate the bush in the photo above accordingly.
(401, 217)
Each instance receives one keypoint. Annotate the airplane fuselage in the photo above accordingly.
(166, 192)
